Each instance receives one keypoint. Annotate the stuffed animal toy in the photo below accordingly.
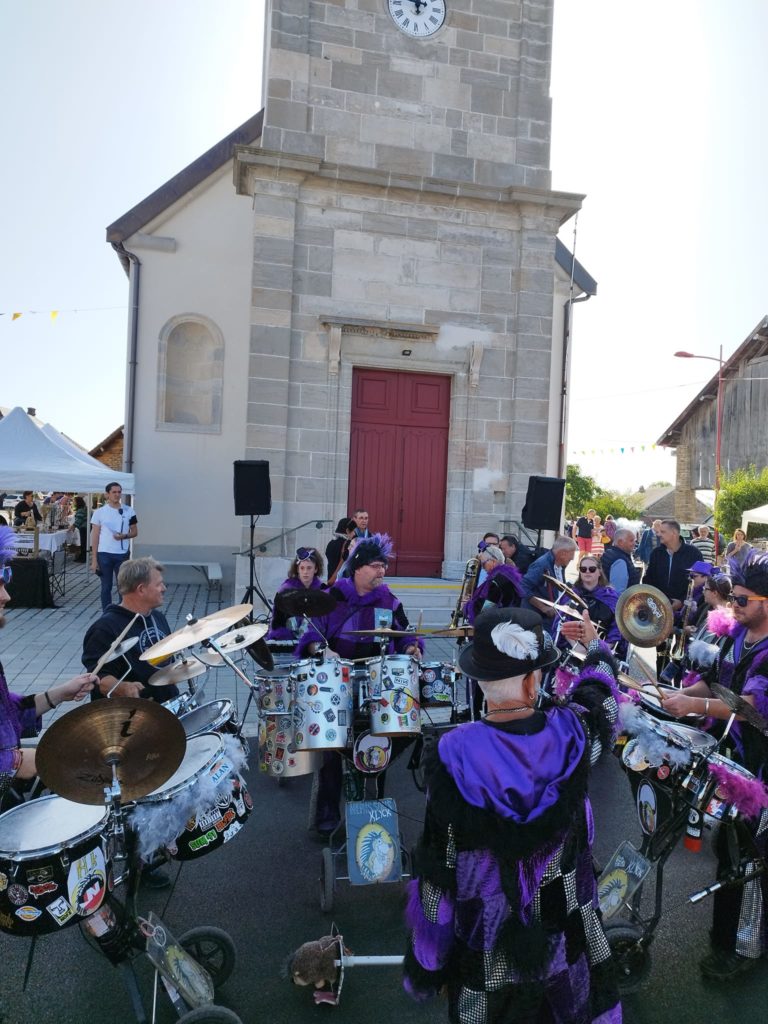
(313, 964)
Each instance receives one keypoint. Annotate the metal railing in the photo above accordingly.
(515, 526)
(262, 545)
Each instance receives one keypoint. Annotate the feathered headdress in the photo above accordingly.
(377, 548)
(7, 547)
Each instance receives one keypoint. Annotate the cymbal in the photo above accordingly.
(241, 637)
(194, 632)
(565, 589)
(382, 631)
(563, 609)
(305, 602)
(741, 707)
(178, 673)
(122, 648)
(144, 740)
(451, 631)
(208, 656)
(262, 655)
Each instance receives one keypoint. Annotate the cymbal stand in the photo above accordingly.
(253, 688)
(122, 678)
(113, 801)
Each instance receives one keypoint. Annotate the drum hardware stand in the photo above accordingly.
(253, 688)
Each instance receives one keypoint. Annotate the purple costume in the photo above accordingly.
(502, 588)
(601, 603)
(282, 628)
(503, 906)
(17, 719)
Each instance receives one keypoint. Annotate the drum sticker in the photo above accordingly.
(280, 753)
(302, 690)
(344, 675)
(284, 723)
(322, 677)
(299, 738)
(335, 700)
(342, 687)
(87, 882)
(28, 913)
(341, 718)
(373, 673)
(18, 895)
(3, 881)
(329, 715)
(43, 889)
(277, 768)
(223, 822)
(40, 874)
(60, 911)
(281, 739)
(646, 807)
(291, 748)
(384, 716)
(219, 771)
(203, 841)
(373, 845)
(232, 831)
(330, 735)
(238, 799)
(428, 675)
(298, 717)
(663, 772)
(205, 820)
(312, 690)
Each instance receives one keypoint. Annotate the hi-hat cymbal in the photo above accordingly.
(143, 740)
(305, 602)
(451, 631)
(241, 637)
(741, 707)
(566, 590)
(195, 632)
(178, 673)
(382, 631)
(563, 609)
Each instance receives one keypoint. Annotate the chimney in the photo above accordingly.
(31, 411)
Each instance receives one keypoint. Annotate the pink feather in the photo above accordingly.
(749, 796)
(721, 622)
(564, 680)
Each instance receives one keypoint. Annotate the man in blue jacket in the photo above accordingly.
(553, 564)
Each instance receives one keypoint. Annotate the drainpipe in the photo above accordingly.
(562, 457)
(132, 264)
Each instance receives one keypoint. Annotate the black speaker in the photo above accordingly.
(543, 503)
(253, 492)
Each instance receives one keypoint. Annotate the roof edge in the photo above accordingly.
(581, 277)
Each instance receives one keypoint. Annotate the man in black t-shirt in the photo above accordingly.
(583, 531)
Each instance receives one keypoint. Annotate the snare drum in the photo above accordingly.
(203, 805)
(55, 866)
(393, 693)
(216, 716)
(322, 712)
(437, 686)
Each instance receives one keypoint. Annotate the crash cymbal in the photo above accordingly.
(563, 609)
(144, 741)
(566, 590)
(383, 631)
(451, 631)
(305, 602)
(196, 631)
(178, 673)
(241, 637)
(741, 707)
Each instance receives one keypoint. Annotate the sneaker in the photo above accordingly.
(155, 878)
(722, 965)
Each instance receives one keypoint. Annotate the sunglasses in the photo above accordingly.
(6, 574)
(742, 600)
(587, 568)
(302, 553)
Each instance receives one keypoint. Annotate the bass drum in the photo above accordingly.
(55, 867)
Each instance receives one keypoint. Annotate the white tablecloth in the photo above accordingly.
(46, 541)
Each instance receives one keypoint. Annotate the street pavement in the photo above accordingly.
(263, 888)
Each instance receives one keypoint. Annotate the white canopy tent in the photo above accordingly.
(30, 459)
(754, 515)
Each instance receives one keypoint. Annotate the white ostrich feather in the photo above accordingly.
(702, 653)
(512, 639)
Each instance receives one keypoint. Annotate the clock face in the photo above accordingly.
(417, 18)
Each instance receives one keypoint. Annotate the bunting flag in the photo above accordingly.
(54, 313)
(622, 450)
(16, 316)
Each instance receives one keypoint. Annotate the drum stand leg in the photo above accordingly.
(132, 988)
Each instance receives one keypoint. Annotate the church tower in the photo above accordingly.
(404, 280)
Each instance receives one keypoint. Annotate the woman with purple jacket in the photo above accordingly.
(304, 574)
(600, 599)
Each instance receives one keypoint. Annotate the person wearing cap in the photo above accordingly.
(21, 714)
(337, 550)
(363, 601)
(739, 934)
(502, 908)
(304, 574)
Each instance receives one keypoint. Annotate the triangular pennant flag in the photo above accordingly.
(54, 314)
(15, 316)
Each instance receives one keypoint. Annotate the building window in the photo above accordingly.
(190, 375)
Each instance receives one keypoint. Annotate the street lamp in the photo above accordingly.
(718, 424)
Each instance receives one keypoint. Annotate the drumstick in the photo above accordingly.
(104, 659)
(646, 670)
(632, 685)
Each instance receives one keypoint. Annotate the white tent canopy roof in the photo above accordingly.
(31, 459)
(754, 515)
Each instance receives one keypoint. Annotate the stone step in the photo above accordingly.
(432, 599)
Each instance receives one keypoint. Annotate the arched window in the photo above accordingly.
(190, 375)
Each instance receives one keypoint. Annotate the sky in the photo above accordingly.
(658, 118)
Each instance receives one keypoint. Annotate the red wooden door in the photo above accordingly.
(398, 462)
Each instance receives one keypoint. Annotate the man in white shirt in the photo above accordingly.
(113, 527)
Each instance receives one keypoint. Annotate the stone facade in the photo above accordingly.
(401, 194)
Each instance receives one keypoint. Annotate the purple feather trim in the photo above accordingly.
(721, 622)
(564, 682)
(689, 679)
(432, 943)
(749, 796)
(7, 546)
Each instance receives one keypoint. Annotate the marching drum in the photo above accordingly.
(437, 687)
(55, 866)
(393, 694)
(278, 755)
(201, 806)
(323, 701)
(216, 716)
(701, 783)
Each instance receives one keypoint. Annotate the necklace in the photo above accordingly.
(508, 711)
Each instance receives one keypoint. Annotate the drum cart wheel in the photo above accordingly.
(213, 949)
(210, 1015)
(327, 880)
(630, 953)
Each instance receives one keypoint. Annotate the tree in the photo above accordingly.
(740, 490)
(620, 506)
(581, 492)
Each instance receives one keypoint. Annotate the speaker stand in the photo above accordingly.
(252, 590)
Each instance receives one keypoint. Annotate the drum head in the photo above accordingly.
(206, 718)
(695, 739)
(201, 750)
(48, 822)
